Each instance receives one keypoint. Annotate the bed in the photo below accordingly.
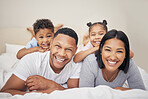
(8, 62)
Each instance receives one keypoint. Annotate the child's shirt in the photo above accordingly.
(32, 43)
(87, 46)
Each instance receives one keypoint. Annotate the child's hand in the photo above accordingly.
(40, 49)
(96, 48)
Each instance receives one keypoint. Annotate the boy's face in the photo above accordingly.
(63, 48)
(44, 37)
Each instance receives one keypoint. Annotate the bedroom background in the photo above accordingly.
(130, 16)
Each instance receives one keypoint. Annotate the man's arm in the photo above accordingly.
(73, 83)
(14, 86)
(41, 84)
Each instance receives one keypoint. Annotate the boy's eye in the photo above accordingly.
(92, 34)
(41, 37)
(49, 36)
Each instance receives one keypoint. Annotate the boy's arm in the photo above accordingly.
(82, 54)
(131, 54)
(14, 86)
(22, 52)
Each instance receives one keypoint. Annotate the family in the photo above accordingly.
(50, 61)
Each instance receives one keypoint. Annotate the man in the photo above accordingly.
(49, 71)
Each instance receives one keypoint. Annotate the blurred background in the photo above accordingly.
(130, 16)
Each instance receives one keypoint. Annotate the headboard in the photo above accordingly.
(13, 36)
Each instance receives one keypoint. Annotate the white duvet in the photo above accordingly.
(8, 62)
(100, 92)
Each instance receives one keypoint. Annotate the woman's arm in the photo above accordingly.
(131, 54)
(88, 71)
(134, 77)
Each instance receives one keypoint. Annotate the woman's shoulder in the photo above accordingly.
(91, 57)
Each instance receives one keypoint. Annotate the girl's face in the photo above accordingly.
(96, 34)
(113, 54)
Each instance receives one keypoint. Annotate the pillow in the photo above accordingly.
(13, 48)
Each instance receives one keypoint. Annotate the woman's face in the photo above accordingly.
(113, 54)
(96, 34)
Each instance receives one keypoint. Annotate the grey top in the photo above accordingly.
(91, 75)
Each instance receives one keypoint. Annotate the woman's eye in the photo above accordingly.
(49, 36)
(119, 51)
(107, 49)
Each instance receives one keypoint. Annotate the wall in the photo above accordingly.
(129, 16)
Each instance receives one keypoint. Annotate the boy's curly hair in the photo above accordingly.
(42, 24)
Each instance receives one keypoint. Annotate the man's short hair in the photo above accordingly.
(69, 32)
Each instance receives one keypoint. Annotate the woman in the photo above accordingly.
(112, 65)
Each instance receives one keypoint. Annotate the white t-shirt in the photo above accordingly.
(38, 64)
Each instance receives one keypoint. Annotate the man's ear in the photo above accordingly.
(76, 50)
(51, 42)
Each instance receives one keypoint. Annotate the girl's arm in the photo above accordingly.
(82, 54)
(131, 54)
(22, 52)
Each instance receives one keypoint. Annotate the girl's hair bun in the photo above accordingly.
(89, 24)
(104, 22)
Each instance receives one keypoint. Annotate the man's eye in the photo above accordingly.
(49, 36)
(57, 45)
(68, 49)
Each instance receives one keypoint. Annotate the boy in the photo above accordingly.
(44, 31)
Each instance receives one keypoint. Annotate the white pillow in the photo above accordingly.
(13, 48)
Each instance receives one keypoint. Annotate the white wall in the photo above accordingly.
(129, 16)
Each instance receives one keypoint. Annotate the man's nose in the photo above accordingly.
(62, 52)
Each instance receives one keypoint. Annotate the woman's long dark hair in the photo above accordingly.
(118, 35)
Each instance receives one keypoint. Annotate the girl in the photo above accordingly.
(96, 32)
(113, 65)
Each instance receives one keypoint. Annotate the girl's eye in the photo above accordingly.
(101, 33)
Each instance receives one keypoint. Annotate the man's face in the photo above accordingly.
(63, 48)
